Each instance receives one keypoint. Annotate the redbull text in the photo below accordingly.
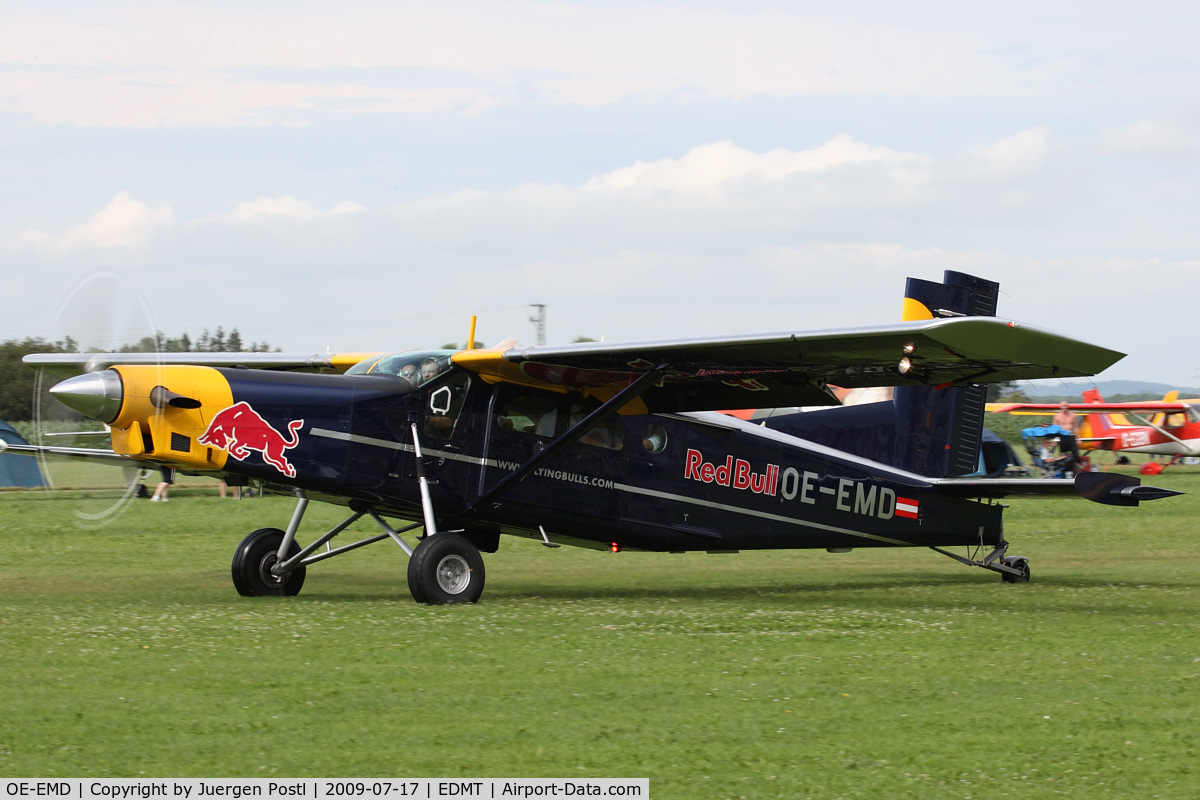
(734, 473)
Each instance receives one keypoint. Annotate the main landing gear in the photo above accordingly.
(1012, 569)
(254, 562)
(443, 568)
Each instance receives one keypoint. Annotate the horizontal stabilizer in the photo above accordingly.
(1109, 488)
(1113, 489)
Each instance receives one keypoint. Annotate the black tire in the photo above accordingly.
(1016, 562)
(445, 568)
(252, 562)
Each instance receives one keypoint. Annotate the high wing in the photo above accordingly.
(69, 453)
(67, 365)
(752, 371)
(794, 368)
(1035, 409)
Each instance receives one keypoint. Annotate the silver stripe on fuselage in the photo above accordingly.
(621, 487)
(749, 512)
(404, 448)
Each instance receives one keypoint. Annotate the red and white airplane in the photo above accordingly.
(1168, 427)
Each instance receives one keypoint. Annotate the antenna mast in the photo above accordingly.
(539, 321)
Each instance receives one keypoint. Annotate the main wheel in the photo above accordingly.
(445, 568)
(252, 562)
(1016, 562)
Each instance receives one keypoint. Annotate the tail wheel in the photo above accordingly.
(445, 568)
(1019, 563)
(252, 562)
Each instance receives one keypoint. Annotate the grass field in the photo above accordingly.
(125, 651)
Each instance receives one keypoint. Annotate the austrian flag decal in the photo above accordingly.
(906, 507)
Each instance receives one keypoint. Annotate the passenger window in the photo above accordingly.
(607, 434)
(654, 438)
(537, 415)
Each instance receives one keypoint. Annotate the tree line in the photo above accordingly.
(18, 380)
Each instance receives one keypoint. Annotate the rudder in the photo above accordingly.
(939, 429)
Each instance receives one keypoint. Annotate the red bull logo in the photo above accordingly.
(239, 429)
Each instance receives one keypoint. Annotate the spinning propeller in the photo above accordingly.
(99, 314)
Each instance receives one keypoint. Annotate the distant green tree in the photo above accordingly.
(17, 379)
(1009, 392)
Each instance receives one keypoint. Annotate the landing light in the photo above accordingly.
(905, 365)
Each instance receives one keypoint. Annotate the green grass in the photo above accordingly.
(124, 651)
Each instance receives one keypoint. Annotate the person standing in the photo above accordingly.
(164, 486)
(1067, 419)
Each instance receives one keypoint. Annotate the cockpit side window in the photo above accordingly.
(445, 404)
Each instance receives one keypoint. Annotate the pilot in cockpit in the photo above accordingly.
(429, 369)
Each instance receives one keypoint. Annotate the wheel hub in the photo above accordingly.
(266, 570)
(453, 574)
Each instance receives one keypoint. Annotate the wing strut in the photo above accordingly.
(574, 434)
(1142, 419)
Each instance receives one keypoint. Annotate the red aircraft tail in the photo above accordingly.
(1095, 426)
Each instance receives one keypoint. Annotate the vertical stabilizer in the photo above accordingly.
(924, 429)
(938, 429)
(1095, 426)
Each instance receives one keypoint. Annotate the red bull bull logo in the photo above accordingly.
(239, 429)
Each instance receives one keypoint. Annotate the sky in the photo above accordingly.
(365, 176)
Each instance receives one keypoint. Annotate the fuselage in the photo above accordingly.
(663, 482)
(1174, 434)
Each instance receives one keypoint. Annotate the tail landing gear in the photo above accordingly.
(1012, 569)
(1020, 567)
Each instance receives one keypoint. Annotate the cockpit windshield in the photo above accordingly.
(415, 366)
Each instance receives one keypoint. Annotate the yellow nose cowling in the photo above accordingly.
(149, 426)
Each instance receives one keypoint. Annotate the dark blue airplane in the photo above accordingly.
(609, 446)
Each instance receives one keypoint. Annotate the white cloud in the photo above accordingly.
(721, 239)
(124, 224)
(1176, 136)
(291, 208)
(711, 168)
(135, 64)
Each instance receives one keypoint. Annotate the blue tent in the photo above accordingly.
(17, 470)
